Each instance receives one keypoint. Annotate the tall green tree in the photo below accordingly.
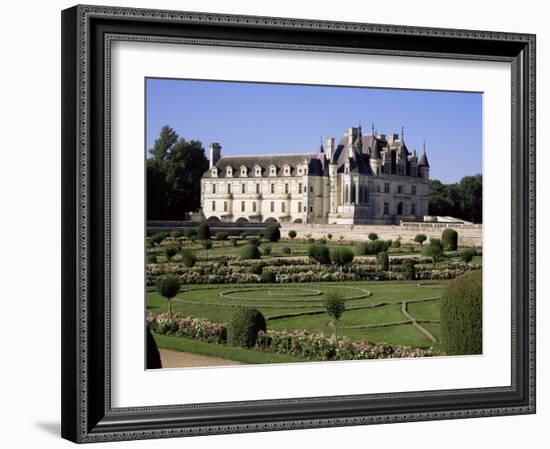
(461, 200)
(174, 170)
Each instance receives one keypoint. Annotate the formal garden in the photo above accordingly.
(268, 297)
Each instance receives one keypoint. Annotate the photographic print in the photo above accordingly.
(297, 223)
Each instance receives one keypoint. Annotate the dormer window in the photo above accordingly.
(214, 172)
(244, 171)
(286, 170)
(257, 170)
(272, 170)
(300, 171)
(229, 172)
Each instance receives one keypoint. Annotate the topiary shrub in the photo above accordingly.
(176, 234)
(158, 237)
(272, 233)
(329, 236)
(467, 255)
(244, 326)
(461, 315)
(335, 306)
(243, 235)
(203, 231)
(319, 253)
(409, 270)
(268, 276)
(188, 257)
(323, 241)
(233, 242)
(378, 246)
(362, 249)
(286, 250)
(249, 251)
(191, 234)
(449, 239)
(153, 355)
(151, 258)
(267, 250)
(396, 243)
(254, 241)
(433, 250)
(420, 238)
(373, 236)
(292, 234)
(168, 287)
(341, 255)
(383, 261)
(256, 268)
(170, 251)
(310, 240)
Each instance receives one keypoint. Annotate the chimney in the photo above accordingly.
(351, 135)
(330, 148)
(215, 153)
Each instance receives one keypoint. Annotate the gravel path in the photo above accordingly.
(177, 359)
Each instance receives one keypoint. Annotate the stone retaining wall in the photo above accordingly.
(467, 235)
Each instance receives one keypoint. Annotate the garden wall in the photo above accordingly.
(468, 235)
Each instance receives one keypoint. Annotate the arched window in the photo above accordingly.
(346, 194)
(283, 207)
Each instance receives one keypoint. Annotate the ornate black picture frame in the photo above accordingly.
(87, 413)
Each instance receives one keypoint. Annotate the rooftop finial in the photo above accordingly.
(402, 133)
(424, 145)
(372, 128)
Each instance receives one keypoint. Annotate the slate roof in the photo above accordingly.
(423, 160)
(315, 165)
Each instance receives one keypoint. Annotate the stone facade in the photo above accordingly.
(364, 179)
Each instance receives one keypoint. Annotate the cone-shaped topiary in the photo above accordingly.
(153, 356)
(203, 231)
(244, 326)
(319, 253)
(268, 276)
(409, 270)
(249, 251)
(383, 261)
(449, 239)
(461, 315)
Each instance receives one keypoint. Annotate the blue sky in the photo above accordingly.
(256, 118)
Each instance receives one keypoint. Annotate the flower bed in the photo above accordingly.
(198, 328)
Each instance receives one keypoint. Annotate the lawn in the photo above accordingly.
(368, 303)
(249, 356)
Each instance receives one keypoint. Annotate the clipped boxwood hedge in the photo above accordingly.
(461, 315)
(249, 251)
(244, 327)
(449, 239)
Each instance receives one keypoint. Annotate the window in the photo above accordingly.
(305, 189)
(283, 207)
(386, 208)
(243, 171)
(242, 206)
(258, 171)
(229, 171)
(213, 206)
(311, 208)
(300, 187)
(228, 188)
(254, 206)
(214, 172)
(305, 208)
(378, 188)
(299, 171)
(413, 208)
(413, 190)
(399, 189)
(272, 188)
(386, 187)
(258, 188)
(299, 206)
(311, 189)
(287, 170)
(272, 171)
(272, 206)
(243, 188)
(286, 188)
(213, 188)
(225, 206)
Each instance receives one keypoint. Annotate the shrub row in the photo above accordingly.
(197, 328)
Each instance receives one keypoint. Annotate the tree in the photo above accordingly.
(191, 234)
(409, 270)
(168, 287)
(467, 255)
(335, 306)
(174, 170)
(206, 244)
(434, 250)
(188, 257)
(249, 251)
(373, 236)
(341, 256)
(244, 327)
(462, 200)
(329, 236)
(267, 250)
(292, 234)
(383, 261)
(420, 238)
(203, 231)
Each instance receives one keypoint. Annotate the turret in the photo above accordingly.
(215, 153)
(330, 148)
(424, 165)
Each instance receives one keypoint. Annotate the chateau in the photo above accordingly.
(364, 179)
